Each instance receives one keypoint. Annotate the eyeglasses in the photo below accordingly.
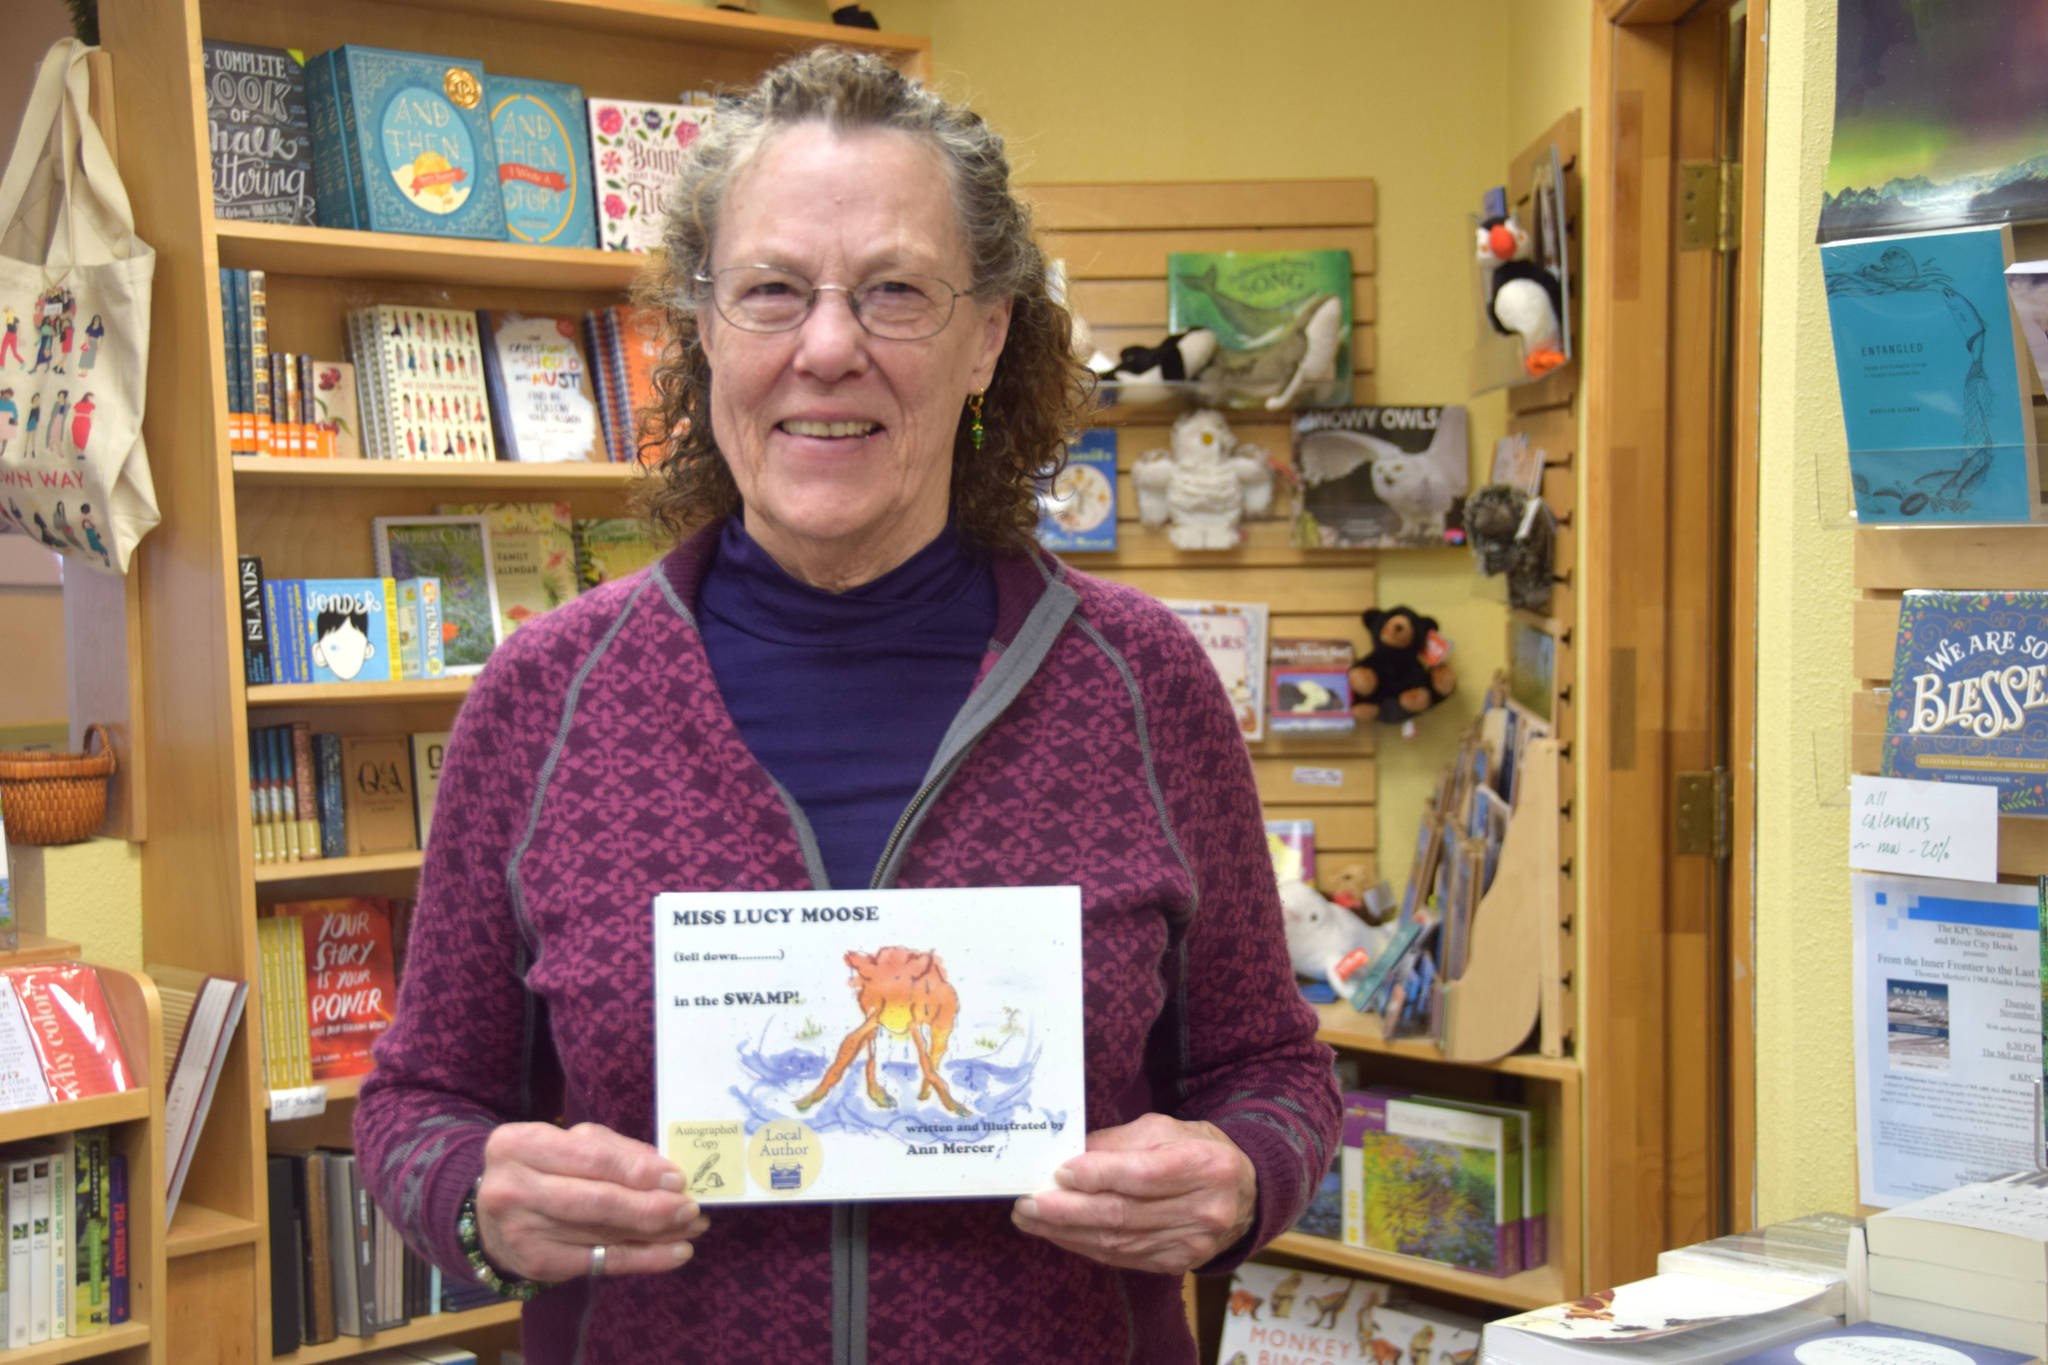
(763, 298)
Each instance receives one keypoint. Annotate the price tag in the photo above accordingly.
(1318, 777)
(1924, 829)
(305, 1102)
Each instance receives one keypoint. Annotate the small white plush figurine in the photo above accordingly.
(1204, 484)
(1321, 932)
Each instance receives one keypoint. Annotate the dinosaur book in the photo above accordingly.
(815, 1046)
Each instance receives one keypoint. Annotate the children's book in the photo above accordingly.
(1293, 846)
(402, 143)
(612, 547)
(1438, 1183)
(1380, 477)
(1233, 635)
(352, 624)
(542, 403)
(1310, 686)
(1077, 507)
(637, 150)
(1417, 1332)
(543, 161)
(533, 556)
(1969, 694)
(1282, 321)
(1935, 380)
(457, 551)
(350, 989)
(773, 1085)
(258, 134)
(1279, 1313)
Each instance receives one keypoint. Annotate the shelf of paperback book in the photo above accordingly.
(322, 868)
(196, 1228)
(95, 1111)
(346, 254)
(359, 694)
(281, 472)
(1531, 1289)
(126, 1337)
(1341, 1026)
(429, 1328)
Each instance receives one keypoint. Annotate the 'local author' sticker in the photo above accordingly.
(785, 1157)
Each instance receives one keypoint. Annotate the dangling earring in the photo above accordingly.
(975, 431)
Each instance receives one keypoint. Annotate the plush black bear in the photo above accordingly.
(1405, 674)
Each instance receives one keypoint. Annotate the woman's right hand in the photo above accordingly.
(550, 1195)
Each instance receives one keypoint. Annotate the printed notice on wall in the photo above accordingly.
(901, 1044)
(1929, 829)
(1948, 1033)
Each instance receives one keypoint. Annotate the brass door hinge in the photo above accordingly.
(1709, 205)
(1702, 808)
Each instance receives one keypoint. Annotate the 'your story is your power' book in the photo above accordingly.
(899, 1044)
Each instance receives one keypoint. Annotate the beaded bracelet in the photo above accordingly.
(471, 1238)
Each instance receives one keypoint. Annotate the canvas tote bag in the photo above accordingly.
(74, 331)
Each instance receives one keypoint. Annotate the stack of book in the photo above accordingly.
(66, 1211)
(328, 630)
(1808, 1255)
(1969, 1263)
(330, 986)
(279, 403)
(314, 796)
(1664, 1320)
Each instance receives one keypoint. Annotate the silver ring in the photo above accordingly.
(596, 1261)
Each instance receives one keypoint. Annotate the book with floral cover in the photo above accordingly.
(636, 151)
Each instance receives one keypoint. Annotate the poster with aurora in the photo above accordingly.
(1941, 116)
(815, 1046)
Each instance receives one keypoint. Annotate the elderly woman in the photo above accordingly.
(855, 670)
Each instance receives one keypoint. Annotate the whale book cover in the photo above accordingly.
(1969, 696)
(402, 143)
(1936, 383)
(817, 1046)
(1268, 309)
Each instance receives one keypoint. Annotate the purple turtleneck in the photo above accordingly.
(843, 697)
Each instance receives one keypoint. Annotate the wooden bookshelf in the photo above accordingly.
(38, 948)
(1344, 1027)
(1530, 1289)
(311, 518)
(130, 1340)
(463, 476)
(419, 1329)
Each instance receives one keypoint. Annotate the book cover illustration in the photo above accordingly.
(1282, 321)
(456, 550)
(1379, 477)
(543, 168)
(1311, 686)
(612, 547)
(72, 1029)
(258, 133)
(1278, 1313)
(893, 1044)
(533, 556)
(636, 150)
(416, 147)
(1969, 694)
(334, 409)
(1433, 1183)
(538, 375)
(1077, 507)
(1936, 394)
(352, 624)
(1233, 635)
(350, 988)
(430, 381)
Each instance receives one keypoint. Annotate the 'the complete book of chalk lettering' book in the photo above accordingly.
(898, 1044)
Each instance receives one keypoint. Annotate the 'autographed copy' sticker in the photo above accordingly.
(841, 1045)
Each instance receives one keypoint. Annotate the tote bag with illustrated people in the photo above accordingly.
(74, 331)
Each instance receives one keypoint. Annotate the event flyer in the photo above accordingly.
(1948, 1033)
(852, 1045)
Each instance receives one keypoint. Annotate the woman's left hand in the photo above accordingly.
(1157, 1195)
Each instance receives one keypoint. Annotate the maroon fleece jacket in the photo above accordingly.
(594, 765)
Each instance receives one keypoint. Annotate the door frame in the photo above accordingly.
(1636, 1173)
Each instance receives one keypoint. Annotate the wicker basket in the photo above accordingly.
(51, 798)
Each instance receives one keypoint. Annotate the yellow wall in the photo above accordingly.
(1806, 1128)
(1422, 98)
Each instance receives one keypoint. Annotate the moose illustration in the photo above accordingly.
(906, 993)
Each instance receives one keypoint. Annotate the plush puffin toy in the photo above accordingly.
(1525, 300)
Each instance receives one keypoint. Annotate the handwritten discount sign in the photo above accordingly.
(1924, 829)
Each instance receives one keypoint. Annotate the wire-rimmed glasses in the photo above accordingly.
(766, 298)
